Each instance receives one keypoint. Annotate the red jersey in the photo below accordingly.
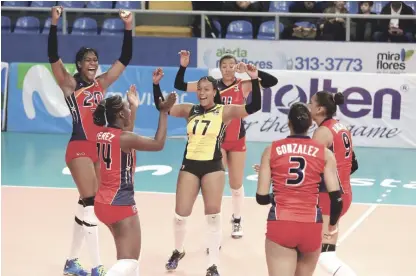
(233, 94)
(296, 163)
(117, 169)
(82, 104)
(342, 149)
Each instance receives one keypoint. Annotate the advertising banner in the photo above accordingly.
(325, 56)
(37, 104)
(378, 109)
(4, 77)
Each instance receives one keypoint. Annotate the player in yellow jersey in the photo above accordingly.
(202, 166)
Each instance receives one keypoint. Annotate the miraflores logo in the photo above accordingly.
(394, 62)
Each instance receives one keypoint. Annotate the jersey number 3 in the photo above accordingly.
(105, 150)
(297, 170)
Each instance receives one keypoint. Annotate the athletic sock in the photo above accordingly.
(237, 201)
(91, 235)
(214, 238)
(77, 232)
(179, 226)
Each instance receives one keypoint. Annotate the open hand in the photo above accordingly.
(185, 55)
(252, 71)
(56, 12)
(167, 104)
(157, 75)
(132, 97)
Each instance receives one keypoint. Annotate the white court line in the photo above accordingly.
(357, 223)
(165, 193)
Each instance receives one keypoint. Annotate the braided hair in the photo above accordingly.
(106, 112)
(217, 97)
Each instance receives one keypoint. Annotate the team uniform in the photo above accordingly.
(295, 218)
(342, 149)
(82, 104)
(114, 200)
(205, 130)
(235, 135)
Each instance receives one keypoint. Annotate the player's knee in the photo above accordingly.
(79, 215)
(237, 192)
(180, 221)
(124, 267)
(90, 219)
(214, 222)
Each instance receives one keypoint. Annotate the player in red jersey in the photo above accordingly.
(294, 166)
(114, 203)
(83, 92)
(233, 91)
(335, 136)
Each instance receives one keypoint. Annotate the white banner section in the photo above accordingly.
(379, 109)
(326, 56)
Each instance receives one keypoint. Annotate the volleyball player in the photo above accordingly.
(202, 167)
(233, 91)
(114, 203)
(83, 92)
(335, 136)
(294, 165)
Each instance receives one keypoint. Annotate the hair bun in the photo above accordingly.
(339, 98)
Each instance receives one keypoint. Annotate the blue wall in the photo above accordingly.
(147, 51)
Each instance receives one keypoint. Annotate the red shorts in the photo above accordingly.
(325, 203)
(110, 214)
(237, 145)
(304, 236)
(81, 148)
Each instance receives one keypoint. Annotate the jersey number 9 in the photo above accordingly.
(105, 150)
(347, 144)
(297, 170)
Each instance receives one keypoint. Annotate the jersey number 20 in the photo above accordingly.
(105, 151)
(297, 169)
(92, 98)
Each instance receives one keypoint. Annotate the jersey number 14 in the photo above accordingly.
(105, 150)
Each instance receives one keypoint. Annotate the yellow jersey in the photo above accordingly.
(205, 131)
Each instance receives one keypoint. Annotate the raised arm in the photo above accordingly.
(178, 110)
(332, 186)
(266, 81)
(134, 104)
(180, 83)
(263, 196)
(233, 111)
(65, 81)
(130, 140)
(118, 67)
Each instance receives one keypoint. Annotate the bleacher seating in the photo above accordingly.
(112, 26)
(240, 29)
(267, 30)
(27, 25)
(85, 26)
(136, 5)
(6, 24)
(43, 4)
(47, 26)
(99, 5)
(236, 29)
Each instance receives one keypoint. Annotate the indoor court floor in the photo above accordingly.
(377, 236)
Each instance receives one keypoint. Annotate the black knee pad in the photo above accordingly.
(326, 247)
(88, 201)
(80, 202)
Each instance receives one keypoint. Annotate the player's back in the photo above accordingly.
(342, 149)
(233, 94)
(117, 169)
(82, 104)
(296, 163)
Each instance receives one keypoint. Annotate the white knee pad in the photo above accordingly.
(90, 219)
(214, 222)
(329, 261)
(124, 267)
(180, 221)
